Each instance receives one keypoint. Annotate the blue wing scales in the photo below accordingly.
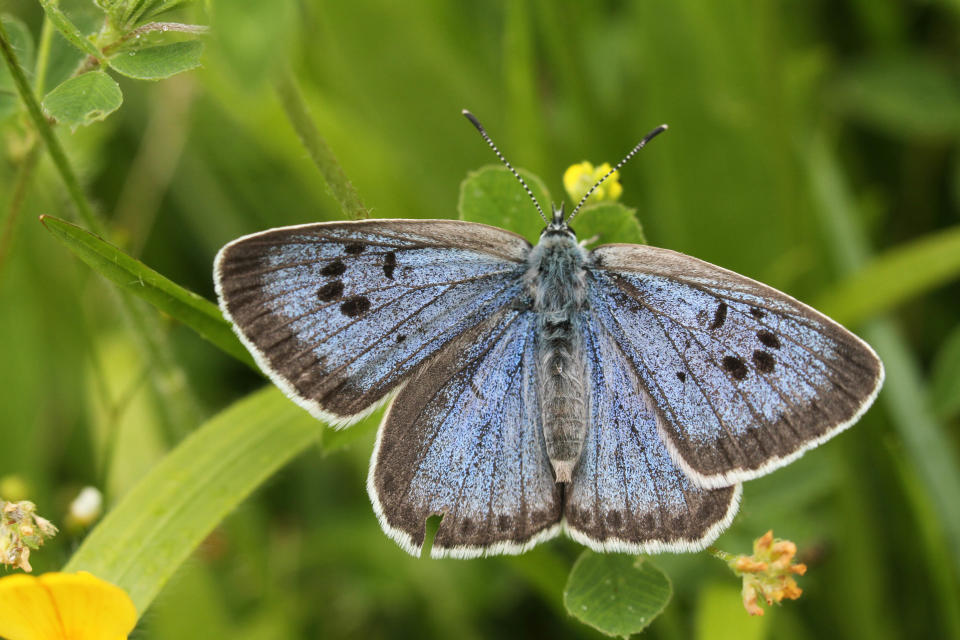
(627, 494)
(744, 377)
(341, 313)
(463, 439)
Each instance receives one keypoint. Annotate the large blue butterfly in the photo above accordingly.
(619, 394)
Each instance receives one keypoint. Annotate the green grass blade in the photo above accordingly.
(154, 528)
(131, 275)
(930, 451)
(895, 277)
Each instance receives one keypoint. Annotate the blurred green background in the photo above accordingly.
(812, 145)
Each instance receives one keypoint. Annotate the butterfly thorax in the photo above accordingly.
(556, 283)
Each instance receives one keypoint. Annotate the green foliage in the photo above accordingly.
(84, 99)
(492, 195)
(904, 95)
(717, 617)
(894, 277)
(161, 520)
(69, 30)
(22, 43)
(945, 382)
(160, 62)
(90, 94)
(852, 206)
(196, 312)
(616, 594)
(609, 222)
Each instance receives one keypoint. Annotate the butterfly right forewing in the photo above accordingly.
(341, 313)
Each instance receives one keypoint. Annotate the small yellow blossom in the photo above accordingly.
(21, 530)
(578, 179)
(14, 487)
(64, 606)
(768, 573)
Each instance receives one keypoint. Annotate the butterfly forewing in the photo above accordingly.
(627, 494)
(744, 378)
(340, 313)
(463, 439)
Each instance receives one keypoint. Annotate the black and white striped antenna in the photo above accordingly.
(483, 132)
(640, 145)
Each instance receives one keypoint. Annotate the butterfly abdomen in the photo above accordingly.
(556, 282)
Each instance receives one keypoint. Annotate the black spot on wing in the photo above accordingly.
(764, 361)
(757, 313)
(681, 376)
(768, 339)
(400, 338)
(719, 316)
(354, 248)
(355, 306)
(330, 291)
(389, 264)
(735, 366)
(335, 268)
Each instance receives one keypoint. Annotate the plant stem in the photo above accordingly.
(24, 173)
(43, 56)
(336, 180)
(49, 138)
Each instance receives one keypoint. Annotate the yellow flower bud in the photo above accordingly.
(579, 178)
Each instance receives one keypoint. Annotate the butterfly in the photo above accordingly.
(620, 394)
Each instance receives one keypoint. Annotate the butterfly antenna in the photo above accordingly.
(483, 132)
(640, 145)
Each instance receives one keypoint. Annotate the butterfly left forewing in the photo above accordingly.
(341, 313)
(744, 377)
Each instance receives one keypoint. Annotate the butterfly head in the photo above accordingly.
(558, 225)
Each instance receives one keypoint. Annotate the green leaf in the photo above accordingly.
(161, 520)
(69, 30)
(130, 274)
(609, 222)
(83, 99)
(945, 379)
(721, 616)
(492, 195)
(157, 63)
(616, 594)
(906, 96)
(22, 43)
(895, 276)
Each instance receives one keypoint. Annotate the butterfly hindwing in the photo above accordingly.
(744, 377)
(627, 494)
(463, 439)
(340, 313)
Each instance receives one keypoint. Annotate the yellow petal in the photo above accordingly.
(64, 606)
(26, 610)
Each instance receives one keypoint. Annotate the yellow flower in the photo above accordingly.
(768, 572)
(64, 606)
(578, 179)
